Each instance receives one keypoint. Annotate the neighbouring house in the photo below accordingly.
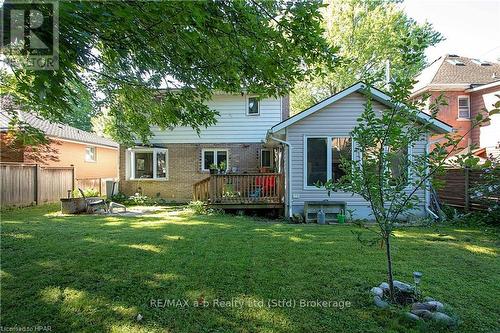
(469, 86)
(92, 156)
(318, 136)
(271, 160)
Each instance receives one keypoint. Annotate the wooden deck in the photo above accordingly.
(241, 191)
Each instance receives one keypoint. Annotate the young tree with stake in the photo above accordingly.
(386, 174)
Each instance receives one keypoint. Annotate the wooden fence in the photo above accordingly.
(28, 184)
(98, 184)
(456, 189)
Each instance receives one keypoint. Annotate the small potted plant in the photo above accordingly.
(222, 167)
(213, 169)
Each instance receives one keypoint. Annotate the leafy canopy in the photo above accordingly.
(367, 34)
(121, 53)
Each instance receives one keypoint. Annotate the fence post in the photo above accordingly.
(72, 178)
(100, 187)
(37, 184)
(466, 186)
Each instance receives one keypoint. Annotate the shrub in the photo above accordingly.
(198, 207)
(89, 192)
(137, 200)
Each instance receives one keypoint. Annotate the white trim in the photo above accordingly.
(247, 104)
(155, 151)
(484, 86)
(215, 150)
(271, 151)
(458, 106)
(362, 88)
(329, 157)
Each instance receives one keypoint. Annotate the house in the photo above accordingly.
(91, 155)
(179, 158)
(469, 85)
(271, 160)
(317, 137)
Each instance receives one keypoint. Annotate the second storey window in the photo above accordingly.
(90, 154)
(214, 159)
(463, 107)
(253, 106)
(149, 163)
(323, 158)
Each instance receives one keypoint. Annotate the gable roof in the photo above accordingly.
(56, 130)
(455, 71)
(363, 88)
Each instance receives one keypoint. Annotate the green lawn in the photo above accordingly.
(94, 274)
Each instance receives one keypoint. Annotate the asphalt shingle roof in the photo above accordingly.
(468, 72)
(56, 130)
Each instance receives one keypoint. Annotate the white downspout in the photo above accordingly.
(288, 176)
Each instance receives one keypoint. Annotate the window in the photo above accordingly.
(265, 158)
(323, 158)
(151, 163)
(341, 149)
(481, 62)
(455, 62)
(211, 157)
(463, 107)
(253, 106)
(90, 154)
(398, 163)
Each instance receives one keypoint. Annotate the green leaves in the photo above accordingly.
(367, 34)
(122, 53)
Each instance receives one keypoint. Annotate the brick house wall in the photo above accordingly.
(184, 169)
(477, 104)
(449, 114)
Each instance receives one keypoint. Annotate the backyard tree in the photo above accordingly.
(385, 173)
(121, 53)
(367, 34)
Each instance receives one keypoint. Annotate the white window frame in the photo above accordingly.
(247, 104)
(270, 157)
(94, 154)
(458, 106)
(155, 152)
(215, 150)
(329, 171)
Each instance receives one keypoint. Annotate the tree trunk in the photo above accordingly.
(389, 265)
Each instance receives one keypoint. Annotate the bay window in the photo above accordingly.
(148, 163)
(323, 158)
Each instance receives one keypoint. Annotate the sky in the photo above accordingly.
(471, 27)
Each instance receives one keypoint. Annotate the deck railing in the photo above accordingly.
(261, 188)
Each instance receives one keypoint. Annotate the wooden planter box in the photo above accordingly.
(73, 205)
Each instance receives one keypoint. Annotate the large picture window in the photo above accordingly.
(341, 149)
(323, 158)
(399, 164)
(214, 157)
(148, 163)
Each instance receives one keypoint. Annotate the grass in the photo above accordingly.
(95, 274)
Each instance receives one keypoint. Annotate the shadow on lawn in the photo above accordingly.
(100, 272)
(91, 273)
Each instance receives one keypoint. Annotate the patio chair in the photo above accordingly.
(92, 204)
(115, 204)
